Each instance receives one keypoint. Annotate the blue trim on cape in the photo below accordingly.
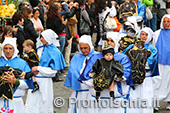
(74, 70)
(162, 46)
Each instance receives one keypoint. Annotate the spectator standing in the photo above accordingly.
(28, 25)
(18, 21)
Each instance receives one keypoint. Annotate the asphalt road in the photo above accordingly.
(61, 91)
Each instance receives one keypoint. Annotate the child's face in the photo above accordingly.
(26, 48)
(108, 56)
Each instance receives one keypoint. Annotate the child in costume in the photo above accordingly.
(104, 71)
(138, 56)
(6, 89)
(31, 58)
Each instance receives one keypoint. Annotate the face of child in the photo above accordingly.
(26, 48)
(108, 56)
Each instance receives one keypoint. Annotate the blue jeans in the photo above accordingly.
(152, 23)
(62, 43)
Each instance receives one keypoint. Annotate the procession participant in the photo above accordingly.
(145, 90)
(161, 42)
(78, 62)
(121, 88)
(51, 61)
(10, 58)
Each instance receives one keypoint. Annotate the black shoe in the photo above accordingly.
(36, 87)
(112, 94)
(57, 79)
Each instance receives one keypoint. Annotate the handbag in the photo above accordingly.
(149, 14)
(110, 23)
(84, 26)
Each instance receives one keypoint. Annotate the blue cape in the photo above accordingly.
(20, 64)
(52, 57)
(152, 60)
(162, 46)
(121, 58)
(74, 70)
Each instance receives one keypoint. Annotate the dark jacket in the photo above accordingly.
(72, 12)
(21, 36)
(92, 14)
(30, 31)
(55, 24)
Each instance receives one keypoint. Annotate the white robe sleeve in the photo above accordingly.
(46, 71)
(22, 85)
(155, 37)
(89, 83)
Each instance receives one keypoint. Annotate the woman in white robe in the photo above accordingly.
(78, 62)
(17, 103)
(51, 61)
(145, 90)
(121, 89)
(161, 42)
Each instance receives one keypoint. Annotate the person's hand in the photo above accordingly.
(63, 3)
(76, 5)
(35, 70)
(14, 29)
(9, 77)
(39, 29)
(64, 21)
(94, 27)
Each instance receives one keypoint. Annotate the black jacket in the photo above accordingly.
(30, 31)
(21, 36)
(92, 14)
(55, 24)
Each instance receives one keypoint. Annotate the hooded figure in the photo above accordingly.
(133, 20)
(121, 88)
(51, 61)
(161, 42)
(9, 58)
(78, 62)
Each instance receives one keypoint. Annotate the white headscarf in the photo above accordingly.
(149, 32)
(87, 40)
(132, 19)
(114, 37)
(13, 42)
(161, 25)
(50, 36)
